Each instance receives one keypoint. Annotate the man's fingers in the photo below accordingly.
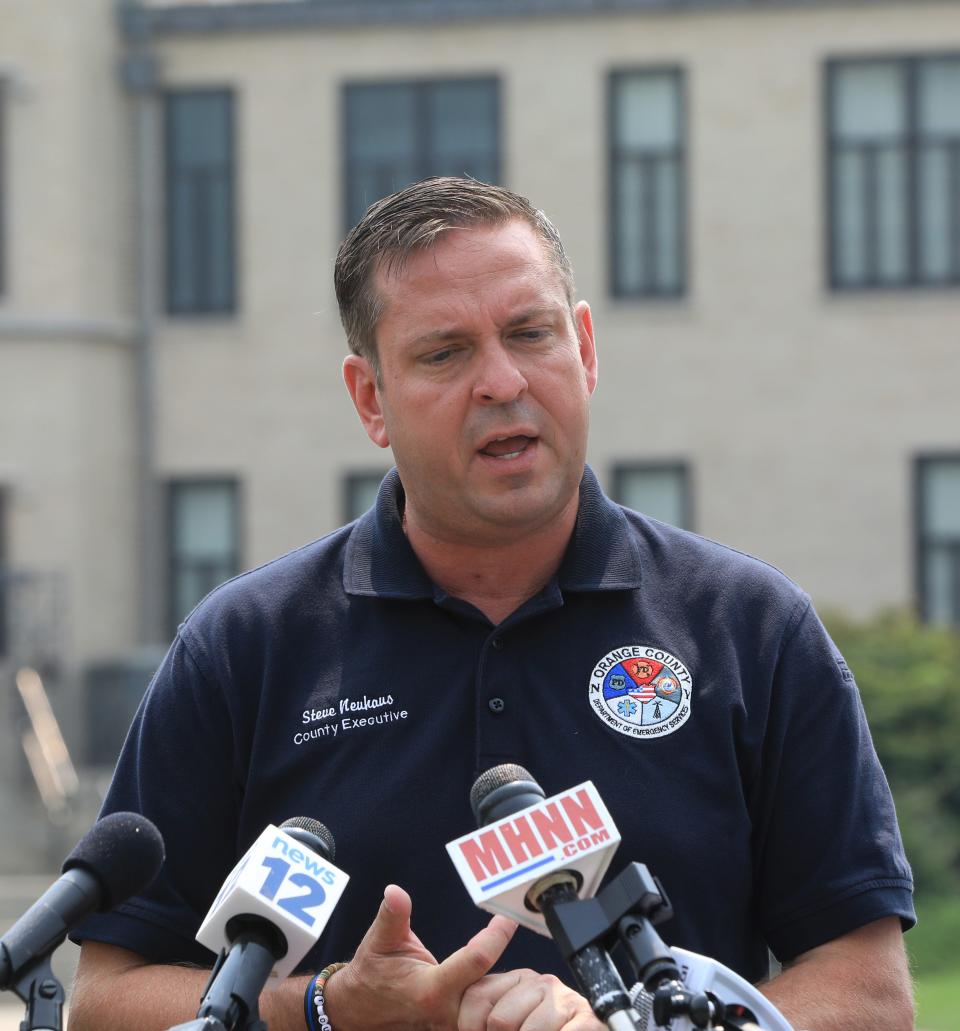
(390, 931)
(544, 1003)
(480, 998)
(468, 964)
(522, 1000)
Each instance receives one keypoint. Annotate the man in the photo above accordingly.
(487, 609)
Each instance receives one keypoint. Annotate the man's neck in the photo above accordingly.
(496, 577)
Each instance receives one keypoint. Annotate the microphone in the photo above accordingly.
(524, 837)
(533, 854)
(556, 897)
(118, 857)
(271, 909)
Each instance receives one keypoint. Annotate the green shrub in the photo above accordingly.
(909, 678)
(932, 944)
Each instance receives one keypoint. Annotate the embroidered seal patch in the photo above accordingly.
(641, 691)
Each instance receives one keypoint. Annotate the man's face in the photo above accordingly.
(485, 381)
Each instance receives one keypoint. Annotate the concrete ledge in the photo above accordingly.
(66, 328)
(139, 23)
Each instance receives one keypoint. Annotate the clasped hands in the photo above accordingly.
(394, 982)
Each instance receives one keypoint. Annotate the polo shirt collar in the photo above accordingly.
(379, 561)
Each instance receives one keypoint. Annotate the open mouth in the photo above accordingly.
(507, 447)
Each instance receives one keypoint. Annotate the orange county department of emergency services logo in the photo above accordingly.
(641, 691)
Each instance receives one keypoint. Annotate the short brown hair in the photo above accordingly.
(413, 219)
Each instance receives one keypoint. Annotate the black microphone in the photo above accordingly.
(253, 943)
(119, 856)
(508, 789)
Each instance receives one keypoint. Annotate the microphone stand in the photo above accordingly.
(231, 998)
(624, 914)
(43, 995)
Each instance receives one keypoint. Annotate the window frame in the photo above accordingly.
(5, 578)
(620, 471)
(4, 183)
(921, 540)
(205, 308)
(909, 62)
(421, 85)
(614, 76)
(171, 487)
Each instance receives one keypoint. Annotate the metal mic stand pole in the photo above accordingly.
(582, 943)
(632, 903)
(43, 995)
(231, 999)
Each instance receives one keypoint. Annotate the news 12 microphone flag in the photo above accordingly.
(499, 862)
(283, 881)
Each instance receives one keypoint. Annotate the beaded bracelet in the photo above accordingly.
(314, 1009)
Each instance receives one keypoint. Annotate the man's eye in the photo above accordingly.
(530, 334)
(439, 357)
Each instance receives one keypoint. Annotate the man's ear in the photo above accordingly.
(361, 383)
(583, 321)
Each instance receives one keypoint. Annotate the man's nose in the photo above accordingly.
(499, 379)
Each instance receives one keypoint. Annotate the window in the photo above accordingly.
(660, 490)
(647, 192)
(894, 172)
(200, 259)
(5, 576)
(938, 538)
(400, 132)
(359, 493)
(203, 536)
(3, 186)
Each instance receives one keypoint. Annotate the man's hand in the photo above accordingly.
(522, 999)
(394, 982)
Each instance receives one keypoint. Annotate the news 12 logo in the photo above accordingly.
(498, 863)
(281, 880)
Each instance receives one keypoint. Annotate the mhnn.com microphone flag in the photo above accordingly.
(500, 862)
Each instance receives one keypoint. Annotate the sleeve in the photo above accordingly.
(177, 767)
(827, 849)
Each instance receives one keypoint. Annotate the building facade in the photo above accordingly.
(761, 202)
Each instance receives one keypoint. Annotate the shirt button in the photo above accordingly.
(496, 705)
(497, 643)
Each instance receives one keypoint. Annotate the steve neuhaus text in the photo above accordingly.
(328, 725)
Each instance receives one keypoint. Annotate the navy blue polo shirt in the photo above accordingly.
(692, 684)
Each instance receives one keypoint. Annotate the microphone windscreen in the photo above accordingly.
(501, 791)
(124, 851)
(311, 833)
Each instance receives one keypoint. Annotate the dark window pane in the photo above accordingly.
(399, 133)
(939, 539)
(895, 172)
(200, 202)
(204, 549)
(462, 123)
(658, 491)
(891, 215)
(937, 212)
(381, 143)
(647, 111)
(219, 201)
(5, 575)
(869, 102)
(360, 492)
(3, 187)
(629, 186)
(667, 235)
(646, 183)
(199, 129)
(850, 218)
(939, 96)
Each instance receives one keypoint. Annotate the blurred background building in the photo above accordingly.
(761, 201)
